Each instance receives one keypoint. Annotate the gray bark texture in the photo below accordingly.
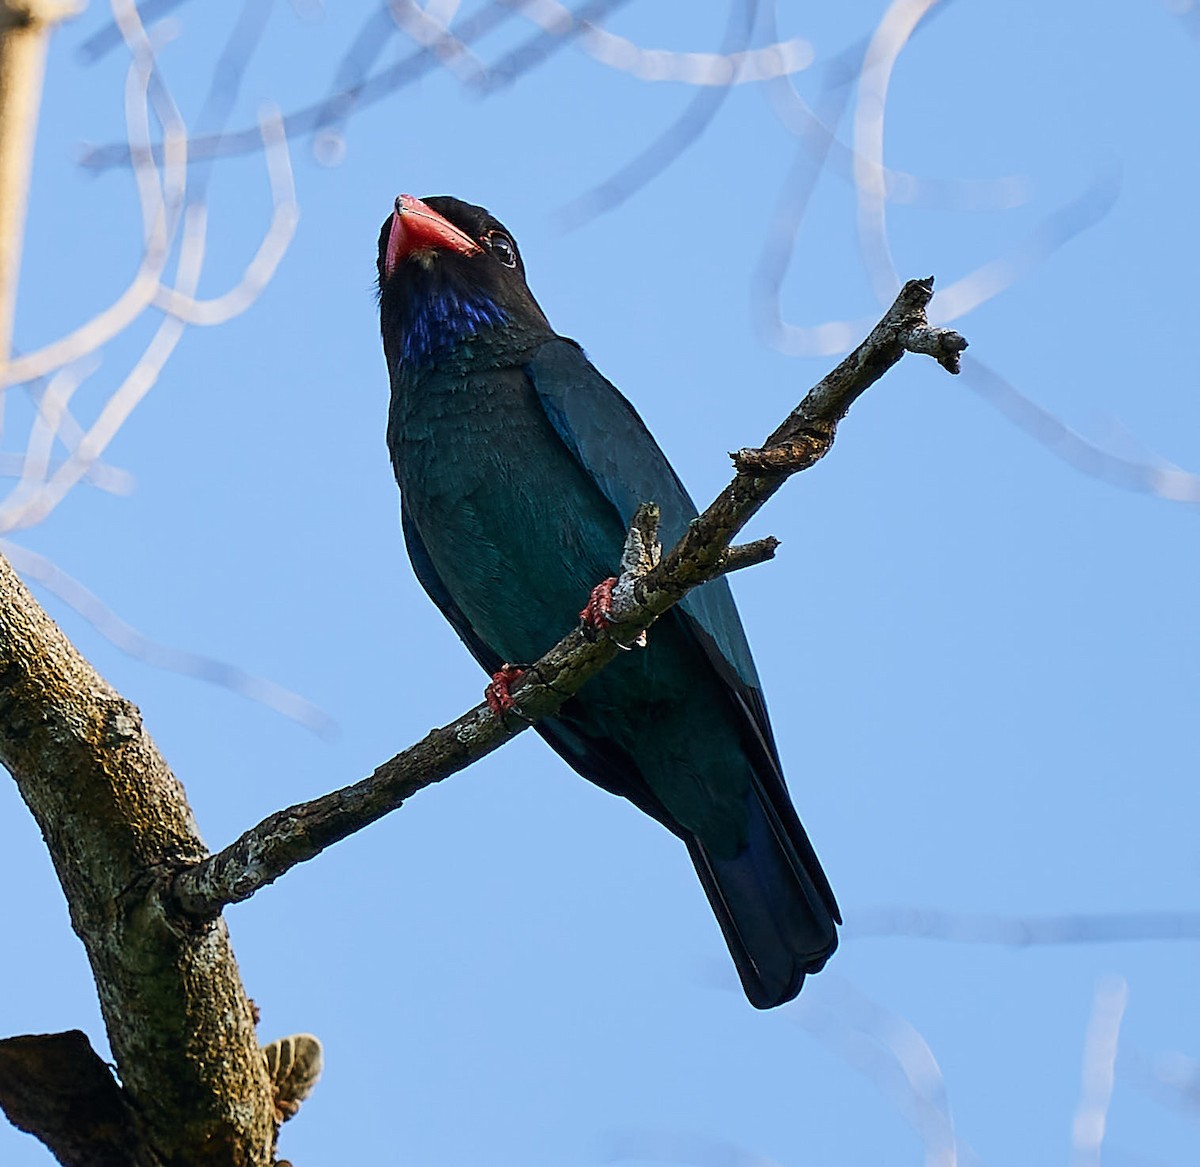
(118, 826)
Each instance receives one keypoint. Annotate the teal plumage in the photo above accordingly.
(519, 469)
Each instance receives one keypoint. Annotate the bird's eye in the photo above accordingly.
(502, 248)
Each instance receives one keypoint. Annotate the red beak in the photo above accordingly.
(416, 227)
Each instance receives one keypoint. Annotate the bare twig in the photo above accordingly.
(172, 213)
(894, 31)
(672, 142)
(332, 110)
(109, 37)
(1057, 228)
(683, 1148)
(165, 214)
(55, 421)
(532, 52)
(892, 1054)
(104, 620)
(1024, 931)
(299, 833)
(1172, 1077)
(261, 269)
(749, 554)
(1099, 1060)
(160, 203)
(1146, 474)
(811, 125)
(728, 67)
(429, 26)
(876, 185)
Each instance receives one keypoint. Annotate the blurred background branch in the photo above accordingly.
(25, 27)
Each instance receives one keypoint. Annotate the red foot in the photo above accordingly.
(596, 613)
(497, 694)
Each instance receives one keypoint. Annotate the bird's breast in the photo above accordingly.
(515, 528)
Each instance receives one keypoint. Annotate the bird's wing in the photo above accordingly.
(616, 449)
(602, 430)
(437, 591)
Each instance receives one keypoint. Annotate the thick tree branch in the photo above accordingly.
(56, 1088)
(194, 1083)
(116, 821)
(647, 588)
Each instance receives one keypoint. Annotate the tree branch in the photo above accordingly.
(646, 589)
(55, 1087)
(748, 554)
(116, 821)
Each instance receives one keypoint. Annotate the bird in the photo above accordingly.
(520, 467)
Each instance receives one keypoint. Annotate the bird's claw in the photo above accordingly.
(497, 694)
(597, 612)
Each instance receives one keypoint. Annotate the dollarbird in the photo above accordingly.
(519, 469)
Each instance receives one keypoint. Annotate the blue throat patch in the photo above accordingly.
(442, 320)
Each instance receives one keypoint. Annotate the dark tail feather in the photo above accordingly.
(772, 904)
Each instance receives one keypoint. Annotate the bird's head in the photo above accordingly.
(447, 271)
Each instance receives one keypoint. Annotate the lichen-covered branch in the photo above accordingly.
(647, 588)
(116, 823)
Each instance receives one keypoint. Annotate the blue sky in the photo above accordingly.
(981, 662)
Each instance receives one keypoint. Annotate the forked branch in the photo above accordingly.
(647, 588)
